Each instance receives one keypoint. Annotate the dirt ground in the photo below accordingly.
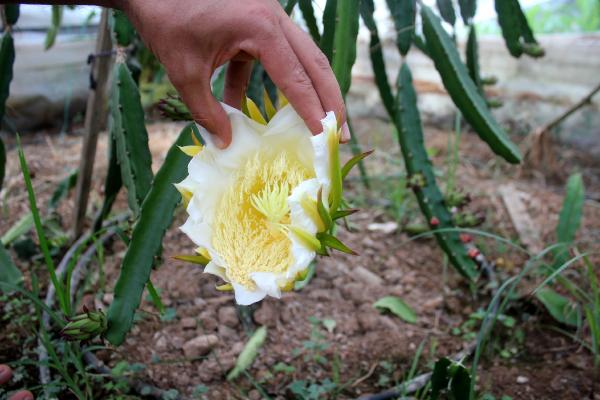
(370, 350)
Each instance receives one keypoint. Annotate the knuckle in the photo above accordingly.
(321, 61)
(264, 17)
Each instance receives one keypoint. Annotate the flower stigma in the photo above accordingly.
(251, 207)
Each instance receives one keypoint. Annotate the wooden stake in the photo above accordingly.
(95, 117)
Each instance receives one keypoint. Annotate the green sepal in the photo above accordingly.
(85, 326)
(197, 259)
(335, 195)
(353, 161)
(323, 213)
(306, 238)
(343, 213)
(331, 241)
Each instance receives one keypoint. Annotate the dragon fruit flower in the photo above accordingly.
(260, 210)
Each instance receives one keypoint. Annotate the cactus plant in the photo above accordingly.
(517, 34)
(403, 13)
(462, 90)
(155, 216)
(422, 178)
(129, 132)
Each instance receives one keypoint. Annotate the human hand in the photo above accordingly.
(191, 38)
(5, 376)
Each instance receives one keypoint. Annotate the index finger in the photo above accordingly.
(317, 67)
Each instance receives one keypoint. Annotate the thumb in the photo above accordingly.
(207, 111)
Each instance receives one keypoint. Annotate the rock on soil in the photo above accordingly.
(228, 316)
(200, 345)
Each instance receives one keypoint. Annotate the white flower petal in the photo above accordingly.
(321, 149)
(267, 282)
(246, 297)
(298, 215)
(245, 140)
(303, 256)
(214, 269)
(199, 232)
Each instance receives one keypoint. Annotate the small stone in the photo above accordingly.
(182, 379)
(227, 333)
(177, 342)
(322, 294)
(200, 345)
(254, 395)
(356, 291)
(108, 298)
(364, 275)
(368, 319)
(161, 344)
(432, 304)
(199, 302)
(522, 379)
(208, 321)
(385, 227)
(266, 315)
(188, 323)
(228, 316)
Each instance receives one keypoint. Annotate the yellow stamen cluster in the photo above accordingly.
(243, 221)
(272, 202)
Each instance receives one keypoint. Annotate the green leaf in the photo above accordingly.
(308, 13)
(569, 219)
(462, 90)
(56, 20)
(299, 285)
(112, 184)
(12, 12)
(396, 306)
(473, 57)
(155, 296)
(570, 215)
(460, 385)
(353, 161)
(446, 8)
(9, 273)
(63, 189)
(346, 32)
(429, 196)
(7, 59)
(156, 215)
(403, 13)
(367, 8)
(40, 229)
(323, 212)
(439, 377)
(562, 309)
(467, 10)
(331, 241)
(123, 30)
(129, 131)
(343, 213)
(2, 162)
(247, 356)
(327, 39)
(516, 31)
(22, 226)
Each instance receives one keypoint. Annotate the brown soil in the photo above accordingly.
(546, 366)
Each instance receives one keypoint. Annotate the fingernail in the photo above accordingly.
(218, 141)
(345, 133)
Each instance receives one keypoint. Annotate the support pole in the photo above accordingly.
(95, 116)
